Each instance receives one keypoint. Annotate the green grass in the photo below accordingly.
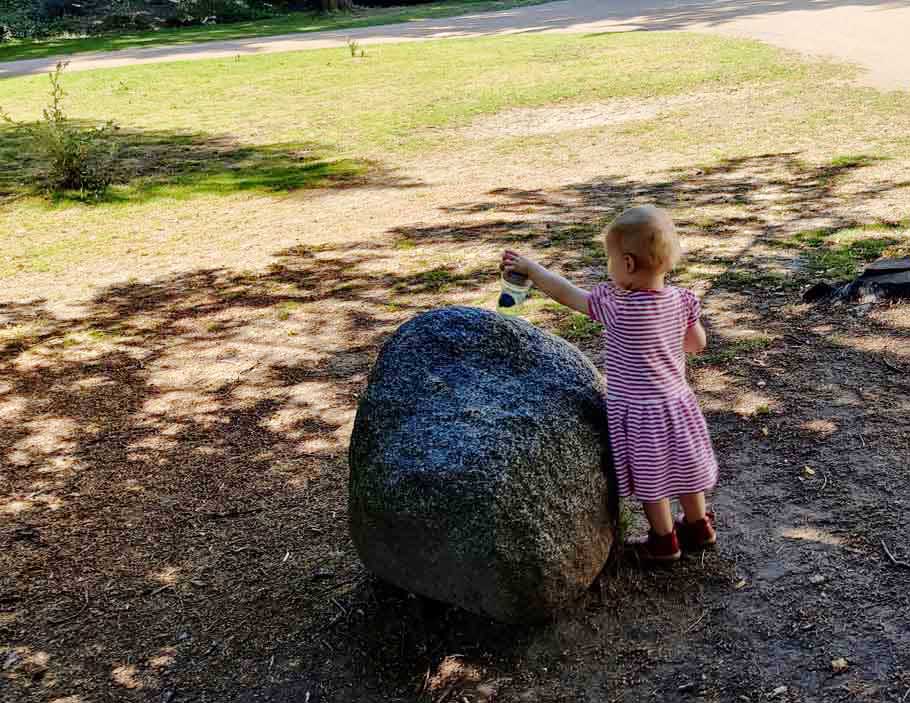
(744, 278)
(283, 311)
(440, 279)
(225, 140)
(729, 352)
(399, 95)
(435, 280)
(179, 166)
(579, 328)
(851, 161)
(625, 521)
(299, 22)
(841, 253)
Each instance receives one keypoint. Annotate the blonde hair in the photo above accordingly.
(648, 235)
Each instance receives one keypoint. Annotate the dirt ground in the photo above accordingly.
(173, 473)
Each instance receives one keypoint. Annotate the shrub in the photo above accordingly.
(390, 3)
(20, 19)
(195, 11)
(77, 158)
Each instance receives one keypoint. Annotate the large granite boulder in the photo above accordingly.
(479, 466)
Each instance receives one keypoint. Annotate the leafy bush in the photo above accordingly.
(77, 158)
(35, 19)
(194, 11)
(21, 19)
(390, 3)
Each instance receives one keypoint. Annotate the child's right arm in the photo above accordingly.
(554, 285)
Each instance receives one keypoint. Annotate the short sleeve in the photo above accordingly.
(602, 303)
(691, 306)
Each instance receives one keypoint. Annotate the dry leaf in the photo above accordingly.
(839, 665)
(742, 583)
(809, 471)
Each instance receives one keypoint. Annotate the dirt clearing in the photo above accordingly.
(175, 481)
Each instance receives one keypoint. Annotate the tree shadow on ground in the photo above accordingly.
(158, 164)
(173, 466)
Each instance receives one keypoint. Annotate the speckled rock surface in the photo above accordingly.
(477, 472)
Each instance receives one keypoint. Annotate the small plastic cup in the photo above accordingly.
(515, 289)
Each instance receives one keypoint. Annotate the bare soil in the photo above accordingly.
(173, 473)
(535, 121)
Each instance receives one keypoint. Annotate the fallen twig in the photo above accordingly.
(695, 624)
(446, 693)
(69, 617)
(896, 562)
(335, 586)
(230, 514)
(422, 685)
(891, 366)
(74, 615)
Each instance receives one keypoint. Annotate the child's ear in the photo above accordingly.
(629, 262)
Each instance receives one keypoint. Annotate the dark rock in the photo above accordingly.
(884, 279)
(478, 464)
(819, 291)
(887, 266)
(888, 286)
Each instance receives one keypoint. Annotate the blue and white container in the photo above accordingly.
(515, 289)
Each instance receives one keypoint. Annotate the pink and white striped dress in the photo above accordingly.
(660, 440)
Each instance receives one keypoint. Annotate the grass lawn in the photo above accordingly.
(180, 364)
(195, 133)
(284, 24)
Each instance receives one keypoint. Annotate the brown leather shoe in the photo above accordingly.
(656, 550)
(696, 536)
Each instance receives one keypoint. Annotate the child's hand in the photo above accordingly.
(514, 262)
(552, 284)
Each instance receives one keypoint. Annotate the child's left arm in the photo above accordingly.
(695, 339)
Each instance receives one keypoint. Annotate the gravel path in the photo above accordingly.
(871, 34)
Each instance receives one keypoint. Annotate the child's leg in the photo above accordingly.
(693, 505)
(696, 529)
(661, 544)
(659, 516)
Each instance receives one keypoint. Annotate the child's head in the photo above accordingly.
(642, 246)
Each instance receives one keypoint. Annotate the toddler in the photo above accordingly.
(660, 441)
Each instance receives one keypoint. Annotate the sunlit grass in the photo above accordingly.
(729, 352)
(579, 328)
(226, 141)
(396, 97)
